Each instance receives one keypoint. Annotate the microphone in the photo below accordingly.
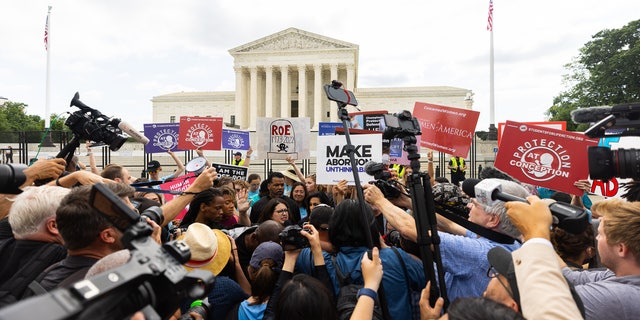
(571, 218)
(372, 168)
(133, 133)
(487, 192)
(589, 115)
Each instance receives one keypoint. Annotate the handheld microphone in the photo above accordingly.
(133, 133)
(488, 192)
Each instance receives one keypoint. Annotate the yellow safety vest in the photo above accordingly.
(399, 169)
(455, 164)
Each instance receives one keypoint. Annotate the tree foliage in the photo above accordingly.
(13, 117)
(606, 72)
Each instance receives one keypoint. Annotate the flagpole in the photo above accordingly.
(47, 117)
(46, 141)
(493, 132)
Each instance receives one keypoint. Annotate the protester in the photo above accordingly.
(348, 237)
(275, 188)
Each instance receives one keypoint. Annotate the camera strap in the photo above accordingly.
(449, 213)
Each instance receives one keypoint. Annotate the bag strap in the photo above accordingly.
(342, 279)
(404, 269)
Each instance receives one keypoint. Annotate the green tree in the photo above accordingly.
(606, 72)
(14, 118)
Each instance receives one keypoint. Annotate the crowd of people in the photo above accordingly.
(284, 247)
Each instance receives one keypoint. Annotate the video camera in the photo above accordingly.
(90, 124)
(153, 279)
(619, 120)
(397, 126)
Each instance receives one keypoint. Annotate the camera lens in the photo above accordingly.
(605, 163)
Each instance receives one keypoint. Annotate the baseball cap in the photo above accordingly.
(238, 153)
(500, 259)
(267, 250)
(153, 165)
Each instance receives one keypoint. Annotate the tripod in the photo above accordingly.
(426, 223)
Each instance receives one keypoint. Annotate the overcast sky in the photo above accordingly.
(119, 54)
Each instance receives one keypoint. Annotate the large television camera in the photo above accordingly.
(619, 120)
(152, 280)
(90, 124)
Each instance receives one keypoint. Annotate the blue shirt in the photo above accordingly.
(393, 280)
(464, 260)
(251, 312)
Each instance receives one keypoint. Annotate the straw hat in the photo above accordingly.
(210, 248)
(290, 173)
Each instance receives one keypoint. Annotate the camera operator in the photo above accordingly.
(464, 254)
(609, 294)
(88, 236)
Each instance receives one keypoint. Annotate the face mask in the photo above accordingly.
(287, 189)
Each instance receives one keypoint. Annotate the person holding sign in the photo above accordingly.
(458, 169)
(238, 161)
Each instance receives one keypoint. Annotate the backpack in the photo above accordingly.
(348, 295)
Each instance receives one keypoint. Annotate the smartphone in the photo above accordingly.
(335, 93)
(112, 207)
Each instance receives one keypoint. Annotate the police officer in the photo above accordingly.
(458, 169)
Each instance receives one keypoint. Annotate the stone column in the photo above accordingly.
(333, 108)
(240, 107)
(302, 90)
(268, 92)
(253, 98)
(285, 93)
(351, 77)
(318, 94)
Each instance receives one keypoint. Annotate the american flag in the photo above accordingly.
(46, 34)
(490, 19)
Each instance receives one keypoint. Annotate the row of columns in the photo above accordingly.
(247, 106)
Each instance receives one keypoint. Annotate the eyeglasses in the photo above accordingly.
(281, 211)
(493, 273)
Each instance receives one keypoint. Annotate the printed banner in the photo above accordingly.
(446, 129)
(560, 125)
(235, 139)
(328, 128)
(334, 163)
(180, 184)
(282, 137)
(162, 137)
(203, 133)
(235, 172)
(544, 157)
(368, 120)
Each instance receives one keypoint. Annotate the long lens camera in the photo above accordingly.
(605, 163)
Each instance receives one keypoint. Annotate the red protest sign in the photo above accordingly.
(543, 156)
(446, 129)
(180, 184)
(203, 133)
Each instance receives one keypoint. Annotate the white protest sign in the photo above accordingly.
(333, 159)
(282, 137)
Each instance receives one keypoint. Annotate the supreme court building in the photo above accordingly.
(282, 75)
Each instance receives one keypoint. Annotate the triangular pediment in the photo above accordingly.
(292, 39)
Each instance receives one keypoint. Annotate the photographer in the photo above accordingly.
(609, 294)
(464, 253)
(287, 302)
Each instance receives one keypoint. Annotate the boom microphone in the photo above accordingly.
(589, 115)
(568, 217)
(133, 133)
(372, 168)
